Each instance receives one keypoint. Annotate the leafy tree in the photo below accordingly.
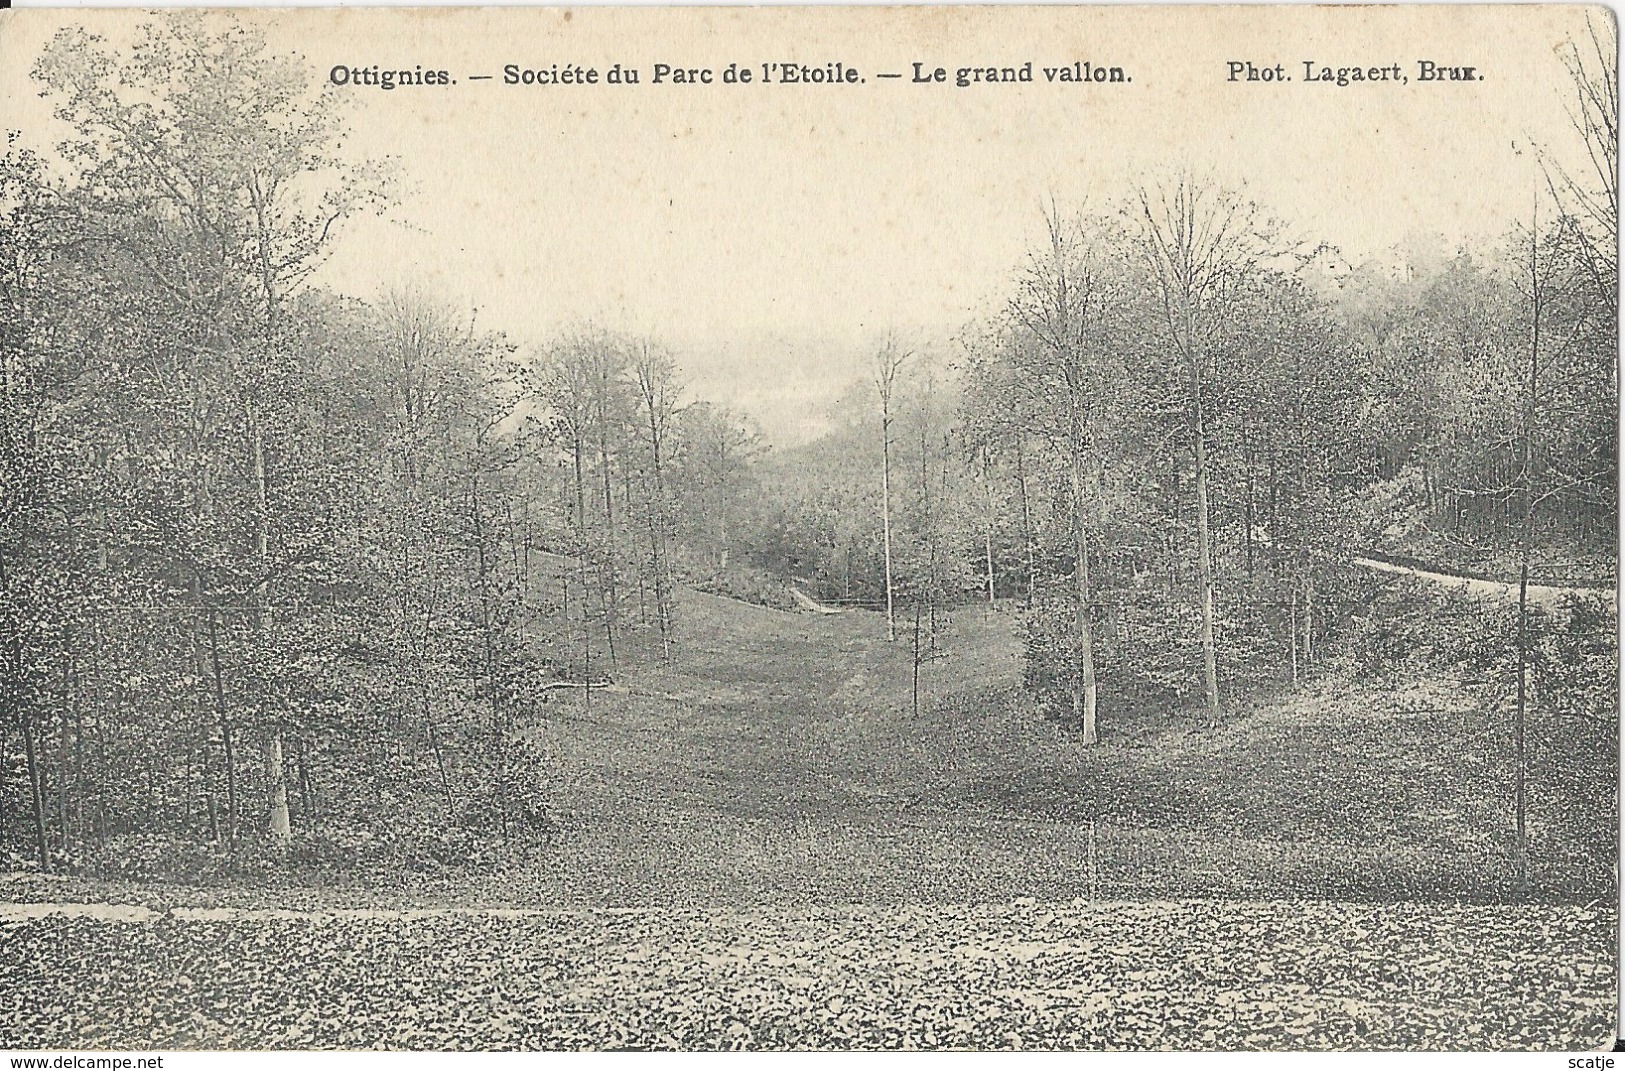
(1197, 238)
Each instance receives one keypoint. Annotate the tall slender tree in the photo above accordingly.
(1196, 238)
(888, 365)
(1062, 302)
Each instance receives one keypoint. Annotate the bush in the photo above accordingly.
(1409, 624)
(747, 585)
(383, 855)
(1576, 658)
(1148, 640)
(1412, 625)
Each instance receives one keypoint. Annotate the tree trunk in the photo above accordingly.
(1204, 548)
(1026, 515)
(987, 530)
(655, 399)
(225, 730)
(631, 512)
(1521, 844)
(11, 695)
(1247, 517)
(577, 449)
(916, 689)
(64, 758)
(1085, 694)
(498, 723)
(100, 723)
(1275, 485)
(885, 509)
(36, 787)
(1292, 630)
(612, 565)
(277, 822)
(307, 793)
(1526, 539)
(1309, 618)
(440, 760)
(79, 753)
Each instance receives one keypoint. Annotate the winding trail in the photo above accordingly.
(1543, 595)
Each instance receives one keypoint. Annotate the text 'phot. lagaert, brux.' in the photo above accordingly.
(1314, 72)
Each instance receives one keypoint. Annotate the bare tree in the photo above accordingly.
(888, 363)
(1536, 482)
(989, 518)
(607, 365)
(657, 387)
(1590, 195)
(565, 387)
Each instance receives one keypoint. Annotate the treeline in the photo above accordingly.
(646, 488)
(1221, 444)
(1184, 426)
(285, 575)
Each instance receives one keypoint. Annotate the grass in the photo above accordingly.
(778, 758)
(761, 844)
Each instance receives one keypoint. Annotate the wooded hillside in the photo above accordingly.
(288, 576)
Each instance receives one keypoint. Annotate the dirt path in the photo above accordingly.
(1543, 595)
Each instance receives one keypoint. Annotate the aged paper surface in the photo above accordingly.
(1066, 527)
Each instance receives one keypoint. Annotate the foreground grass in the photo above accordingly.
(1189, 974)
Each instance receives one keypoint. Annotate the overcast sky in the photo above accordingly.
(771, 233)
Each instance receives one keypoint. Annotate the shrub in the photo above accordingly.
(747, 585)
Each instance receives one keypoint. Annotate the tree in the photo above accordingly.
(424, 358)
(564, 391)
(997, 415)
(1590, 198)
(1061, 304)
(214, 169)
(657, 388)
(217, 171)
(1196, 237)
(42, 481)
(716, 451)
(888, 363)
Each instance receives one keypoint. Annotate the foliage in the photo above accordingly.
(1169, 975)
(1576, 669)
(269, 587)
(748, 585)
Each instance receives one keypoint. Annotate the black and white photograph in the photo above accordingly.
(932, 528)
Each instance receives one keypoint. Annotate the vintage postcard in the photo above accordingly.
(802, 528)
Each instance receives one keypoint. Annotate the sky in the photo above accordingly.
(772, 234)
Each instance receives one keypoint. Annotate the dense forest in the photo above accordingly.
(289, 576)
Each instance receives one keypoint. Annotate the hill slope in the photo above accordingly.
(778, 758)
